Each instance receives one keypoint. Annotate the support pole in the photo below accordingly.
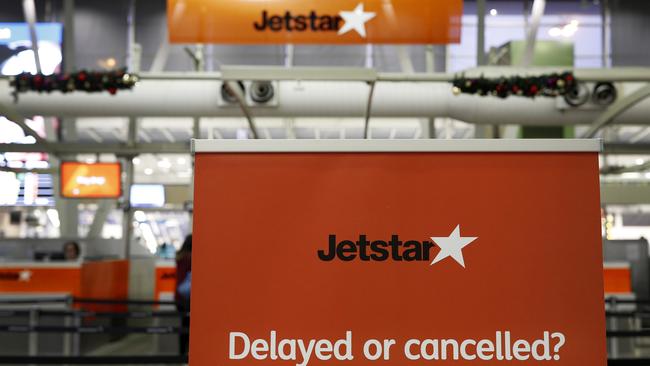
(29, 9)
(480, 35)
(127, 224)
(366, 125)
(531, 32)
(68, 36)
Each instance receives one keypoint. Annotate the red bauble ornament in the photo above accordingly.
(112, 90)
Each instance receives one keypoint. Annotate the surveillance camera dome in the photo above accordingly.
(604, 93)
(227, 95)
(577, 96)
(261, 91)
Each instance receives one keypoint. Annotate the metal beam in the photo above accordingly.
(625, 169)
(10, 113)
(68, 36)
(120, 149)
(123, 149)
(366, 126)
(616, 109)
(405, 59)
(531, 32)
(101, 214)
(626, 149)
(480, 33)
(29, 10)
(272, 73)
(25, 170)
(162, 54)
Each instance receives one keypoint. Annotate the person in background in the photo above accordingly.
(182, 294)
(71, 251)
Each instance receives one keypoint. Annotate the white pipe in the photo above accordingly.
(197, 97)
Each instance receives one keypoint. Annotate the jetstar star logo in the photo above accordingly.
(397, 250)
(352, 20)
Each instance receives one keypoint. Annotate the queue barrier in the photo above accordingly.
(93, 360)
(93, 314)
(82, 300)
(641, 312)
(93, 329)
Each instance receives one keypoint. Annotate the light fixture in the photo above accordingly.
(164, 164)
(148, 171)
(639, 161)
(136, 161)
(494, 12)
(567, 31)
(180, 161)
(555, 32)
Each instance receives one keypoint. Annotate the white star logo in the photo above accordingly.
(451, 246)
(24, 275)
(355, 19)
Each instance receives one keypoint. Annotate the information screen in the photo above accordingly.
(99, 180)
(147, 195)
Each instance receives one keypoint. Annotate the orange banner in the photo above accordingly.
(39, 278)
(396, 258)
(100, 180)
(314, 22)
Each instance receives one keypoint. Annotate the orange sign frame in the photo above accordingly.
(445, 251)
(314, 21)
(96, 180)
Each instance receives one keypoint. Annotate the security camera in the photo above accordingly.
(226, 94)
(261, 91)
(604, 93)
(577, 96)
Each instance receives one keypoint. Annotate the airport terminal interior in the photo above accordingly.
(101, 101)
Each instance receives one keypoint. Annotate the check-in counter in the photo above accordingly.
(165, 285)
(40, 278)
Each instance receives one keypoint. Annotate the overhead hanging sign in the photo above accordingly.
(314, 21)
(442, 252)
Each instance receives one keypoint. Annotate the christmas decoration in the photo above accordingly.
(550, 85)
(88, 81)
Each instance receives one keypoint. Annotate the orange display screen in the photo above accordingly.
(314, 21)
(100, 180)
(445, 258)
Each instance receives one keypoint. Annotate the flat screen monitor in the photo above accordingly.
(147, 195)
(16, 55)
(97, 180)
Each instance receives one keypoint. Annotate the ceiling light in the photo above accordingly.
(494, 12)
(164, 164)
(555, 32)
(136, 161)
(148, 171)
(639, 161)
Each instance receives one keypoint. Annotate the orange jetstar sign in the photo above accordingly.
(314, 22)
(396, 253)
